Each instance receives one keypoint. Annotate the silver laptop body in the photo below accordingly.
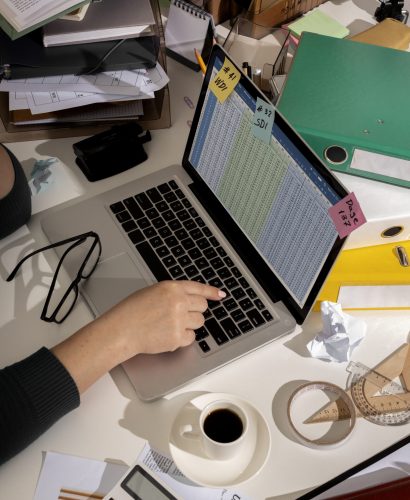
(286, 298)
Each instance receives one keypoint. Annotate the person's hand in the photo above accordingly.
(161, 317)
(158, 318)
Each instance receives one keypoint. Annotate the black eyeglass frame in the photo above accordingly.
(78, 240)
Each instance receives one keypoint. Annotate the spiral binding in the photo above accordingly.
(191, 9)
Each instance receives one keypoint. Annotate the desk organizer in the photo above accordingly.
(157, 113)
(264, 52)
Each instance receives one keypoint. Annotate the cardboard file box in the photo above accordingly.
(376, 277)
(277, 12)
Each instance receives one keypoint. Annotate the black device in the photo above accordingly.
(393, 9)
(26, 57)
(111, 152)
(141, 483)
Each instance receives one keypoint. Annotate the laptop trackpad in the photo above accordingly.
(114, 279)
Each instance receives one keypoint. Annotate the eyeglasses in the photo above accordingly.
(59, 302)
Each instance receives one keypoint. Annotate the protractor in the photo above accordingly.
(389, 407)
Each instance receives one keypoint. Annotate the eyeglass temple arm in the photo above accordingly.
(79, 239)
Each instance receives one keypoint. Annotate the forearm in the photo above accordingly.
(159, 318)
(91, 352)
(34, 394)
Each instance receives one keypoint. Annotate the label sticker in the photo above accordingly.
(263, 120)
(347, 215)
(225, 80)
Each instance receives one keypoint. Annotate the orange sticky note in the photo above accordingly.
(225, 80)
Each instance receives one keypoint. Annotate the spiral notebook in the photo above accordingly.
(189, 27)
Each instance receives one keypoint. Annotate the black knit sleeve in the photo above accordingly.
(34, 393)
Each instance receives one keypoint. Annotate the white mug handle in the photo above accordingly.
(189, 431)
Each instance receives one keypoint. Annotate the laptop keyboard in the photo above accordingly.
(176, 244)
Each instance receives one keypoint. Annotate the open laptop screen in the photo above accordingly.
(278, 194)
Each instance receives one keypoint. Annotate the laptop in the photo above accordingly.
(239, 213)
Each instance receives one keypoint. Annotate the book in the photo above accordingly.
(19, 18)
(105, 20)
(77, 14)
(188, 28)
(26, 57)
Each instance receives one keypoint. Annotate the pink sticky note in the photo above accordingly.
(347, 215)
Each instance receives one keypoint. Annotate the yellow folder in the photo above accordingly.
(388, 33)
(369, 268)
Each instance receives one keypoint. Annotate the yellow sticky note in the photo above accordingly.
(225, 80)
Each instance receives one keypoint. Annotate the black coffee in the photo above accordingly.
(223, 426)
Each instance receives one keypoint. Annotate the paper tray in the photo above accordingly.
(157, 115)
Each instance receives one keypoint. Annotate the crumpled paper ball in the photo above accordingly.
(341, 334)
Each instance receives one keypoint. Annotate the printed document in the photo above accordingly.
(126, 82)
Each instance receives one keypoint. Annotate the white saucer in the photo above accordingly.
(191, 460)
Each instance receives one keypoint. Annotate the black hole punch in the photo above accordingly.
(112, 151)
(335, 154)
(392, 231)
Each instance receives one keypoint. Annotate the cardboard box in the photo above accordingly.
(268, 13)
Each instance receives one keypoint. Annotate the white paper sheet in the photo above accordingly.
(171, 475)
(18, 100)
(390, 166)
(76, 473)
(130, 83)
(61, 471)
(45, 102)
(374, 297)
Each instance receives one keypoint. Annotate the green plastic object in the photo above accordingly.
(351, 96)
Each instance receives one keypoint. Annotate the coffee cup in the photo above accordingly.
(223, 427)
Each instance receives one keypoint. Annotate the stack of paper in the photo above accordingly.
(107, 20)
(45, 95)
(106, 63)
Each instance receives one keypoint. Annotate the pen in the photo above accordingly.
(201, 63)
(246, 67)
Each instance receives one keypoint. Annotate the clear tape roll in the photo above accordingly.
(325, 441)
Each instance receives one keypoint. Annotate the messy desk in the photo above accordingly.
(112, 423)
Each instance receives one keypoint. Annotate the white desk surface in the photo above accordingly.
(112, 423)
